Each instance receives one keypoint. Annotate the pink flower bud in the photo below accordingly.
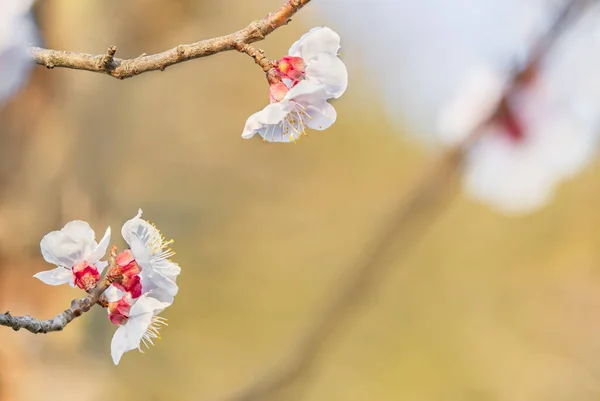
(277, 92)
(118, 312)
(291, 67)
(130, 281)
(85, 275)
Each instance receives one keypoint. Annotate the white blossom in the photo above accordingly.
(73, 247)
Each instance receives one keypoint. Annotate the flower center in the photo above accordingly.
(159, 245)
(85, 275)
(294, 122)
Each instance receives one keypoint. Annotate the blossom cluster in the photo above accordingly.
(311, 74)
(143, 277)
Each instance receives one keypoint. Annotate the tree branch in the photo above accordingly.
(78, 306)
(60, 321)
(422, 205)
(127, 68)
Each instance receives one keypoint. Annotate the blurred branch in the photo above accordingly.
(127, 68)
(421, 205)
(60, 321)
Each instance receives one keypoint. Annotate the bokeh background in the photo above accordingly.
(479, 307)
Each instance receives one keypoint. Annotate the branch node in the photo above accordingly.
(106, 61)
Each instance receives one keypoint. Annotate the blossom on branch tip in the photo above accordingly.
(76, 254)
(303, 106)
(312, 73)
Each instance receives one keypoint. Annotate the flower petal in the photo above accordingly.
(305, 92)
(329, 71)
(317, 40)
(274, 133)
(270, 115)
(61, 250)
(100, 250)
(101, 265)
(139, 232)
(322, 116)
(113, 294)
(120, 344)
(147, 304)
(57, 276)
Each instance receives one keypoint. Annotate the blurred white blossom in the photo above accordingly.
(17, 32)
(451, 64)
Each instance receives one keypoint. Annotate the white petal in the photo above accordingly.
(100, 249)
(317, 40)
(330, 71)
(61, 250)
(57, 276)
(147, 305)
(101, 266)
(120, 344)
(161, 286)
(113, 294)
(270, 115)
(321, 116)
(306, 92)
(274, 133)
(130, 226)
(141, 253)
(140, 234)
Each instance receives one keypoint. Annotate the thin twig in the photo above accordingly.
(78, 307)
(127, 68)
(60, 321)
(422, 205)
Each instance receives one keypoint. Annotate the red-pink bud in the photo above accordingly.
(277, 92)
(292, 68)
(86, 275)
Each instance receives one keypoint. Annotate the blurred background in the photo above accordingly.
(479, 307)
